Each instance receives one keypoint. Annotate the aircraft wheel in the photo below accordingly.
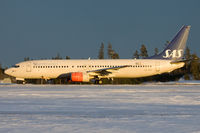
(100, 82)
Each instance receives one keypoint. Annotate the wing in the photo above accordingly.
(106, 71)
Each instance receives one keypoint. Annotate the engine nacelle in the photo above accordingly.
(79, 77)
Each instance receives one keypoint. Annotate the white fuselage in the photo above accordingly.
(89, 70)
(49, 69)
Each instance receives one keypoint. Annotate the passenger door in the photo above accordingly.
(157, 66)
(28, 67)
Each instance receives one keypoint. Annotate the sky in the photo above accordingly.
(41, 29)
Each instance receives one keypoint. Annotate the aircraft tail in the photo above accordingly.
(175, 49)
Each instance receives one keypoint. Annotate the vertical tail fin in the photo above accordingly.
(175, 49)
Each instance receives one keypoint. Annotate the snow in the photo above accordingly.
(151, 108)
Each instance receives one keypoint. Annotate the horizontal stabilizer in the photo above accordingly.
(178, 61)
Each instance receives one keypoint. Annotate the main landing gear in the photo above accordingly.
(96, 80)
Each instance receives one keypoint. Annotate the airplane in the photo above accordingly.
(93, 70)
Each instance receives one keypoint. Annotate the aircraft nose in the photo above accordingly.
(8, 71)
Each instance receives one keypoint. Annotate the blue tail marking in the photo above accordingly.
(175, 49)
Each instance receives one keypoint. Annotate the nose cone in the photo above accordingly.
(8, 71)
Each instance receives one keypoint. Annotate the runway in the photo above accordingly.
(100, 108)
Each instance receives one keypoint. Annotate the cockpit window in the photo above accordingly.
(16, 66)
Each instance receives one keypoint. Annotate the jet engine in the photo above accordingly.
(79, 77)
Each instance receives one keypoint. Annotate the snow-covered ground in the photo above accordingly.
(149, 108)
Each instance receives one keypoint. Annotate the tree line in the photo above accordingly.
(2, 74)
(191, 70)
